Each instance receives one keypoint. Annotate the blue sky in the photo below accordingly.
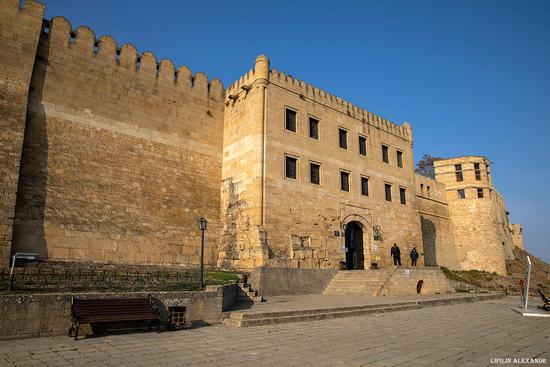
(471, 76)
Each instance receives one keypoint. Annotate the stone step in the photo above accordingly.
(315, 316)
(247, 319)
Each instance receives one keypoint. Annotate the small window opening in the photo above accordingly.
(387, 189)
(403, 195)
(313, 128)
(362, 145)
(461, 194)
(290, 167)
(315, 173)
(422, 189)
(343, 138)
(480, 193)
(428, 191)
(290, 120)
(477, 171)
(399, 159)
(46, 26)
(385, 156)
(364, 186)
(458, 172)
(344, 181)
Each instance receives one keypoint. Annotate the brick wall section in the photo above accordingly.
(121, 158)
(36, 315)
(19, 32)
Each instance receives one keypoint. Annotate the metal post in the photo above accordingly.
(202, 259)
(11, 273)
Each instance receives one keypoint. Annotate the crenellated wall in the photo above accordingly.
(122, 154)
(19, 33)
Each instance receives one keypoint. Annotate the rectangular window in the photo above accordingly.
(290, 167)
(461, 194)
(458, 172)
(315, 173)
(385, 156)
(387, 188)
(399, 159)
(290, 120)
(480, 193)
(428, 190)
(344, 181)
(362, 145)
(343, 136)
(403, 195)
(364, 186)
(422, 189)
(477, 170)
(313, 128)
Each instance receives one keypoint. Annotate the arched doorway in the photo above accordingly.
(355, 256)
(429, 236)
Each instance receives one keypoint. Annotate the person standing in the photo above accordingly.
(414, 256)
(396, 254)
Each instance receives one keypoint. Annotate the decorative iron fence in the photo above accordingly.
(38, 279)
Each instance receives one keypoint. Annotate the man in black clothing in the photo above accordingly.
(396, 254)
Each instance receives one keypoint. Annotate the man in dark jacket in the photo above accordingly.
(396, 254)
(414, 256)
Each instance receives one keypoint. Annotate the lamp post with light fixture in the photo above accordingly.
(202, 227)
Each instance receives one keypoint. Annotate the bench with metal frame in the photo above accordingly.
(545, 300)
(111, 310)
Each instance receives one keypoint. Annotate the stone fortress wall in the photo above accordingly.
(121, 154)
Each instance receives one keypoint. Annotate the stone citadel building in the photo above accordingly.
(110, 155)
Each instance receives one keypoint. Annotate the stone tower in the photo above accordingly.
(478, 215)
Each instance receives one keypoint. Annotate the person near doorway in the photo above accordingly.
(396, 254)
(414, 256)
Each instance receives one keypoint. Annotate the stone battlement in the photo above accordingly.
(83, 42)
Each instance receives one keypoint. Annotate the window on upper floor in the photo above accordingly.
(362, 145)
(422, 189)
(291, 164)
(477, 171)
(315, 173)
(428, 191)
(403, 195)
(399, 159)
(480, 193)
(458, 172)
(290, 120)
(364, 186)
(343, 138)
(387, 189)
(461, 194)
(313, 128)
(385, 155)
(344, 181)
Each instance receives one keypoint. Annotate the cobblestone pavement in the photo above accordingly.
(457, 335)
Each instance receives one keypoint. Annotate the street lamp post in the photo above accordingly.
(202, 227)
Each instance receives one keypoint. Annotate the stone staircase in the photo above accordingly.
(246, 294)
(358, 282)
(401, 281)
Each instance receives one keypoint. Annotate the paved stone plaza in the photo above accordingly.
(457, 335)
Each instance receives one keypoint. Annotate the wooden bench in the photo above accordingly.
(112, 310)
(546, 301)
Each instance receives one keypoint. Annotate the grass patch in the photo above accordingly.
(221, 277)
